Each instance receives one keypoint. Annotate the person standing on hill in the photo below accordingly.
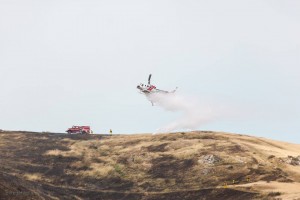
(110, 131)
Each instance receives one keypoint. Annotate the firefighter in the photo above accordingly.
(110, 131)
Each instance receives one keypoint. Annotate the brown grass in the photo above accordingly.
(148, 163)
(33, 177)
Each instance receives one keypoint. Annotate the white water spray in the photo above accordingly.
(194, 112)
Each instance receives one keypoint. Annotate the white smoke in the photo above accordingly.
(194, 112)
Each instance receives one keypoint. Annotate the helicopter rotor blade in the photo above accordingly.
(149, 79)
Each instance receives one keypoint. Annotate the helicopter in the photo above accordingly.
(148, 89)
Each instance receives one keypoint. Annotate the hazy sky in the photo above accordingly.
(77, 62)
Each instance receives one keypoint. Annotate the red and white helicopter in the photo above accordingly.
(151, 89)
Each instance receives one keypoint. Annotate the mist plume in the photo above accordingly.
(194, 112)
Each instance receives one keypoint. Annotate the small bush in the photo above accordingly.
(273, 194)
(271, 156)
(93, 146)
(104, 153)
(118, 169)
(230, 167)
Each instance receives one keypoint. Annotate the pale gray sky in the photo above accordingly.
(65, 62)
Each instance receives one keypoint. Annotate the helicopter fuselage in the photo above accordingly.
(147, 88)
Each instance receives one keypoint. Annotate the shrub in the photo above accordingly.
(118, 169)
(271, 156)
(273, 194)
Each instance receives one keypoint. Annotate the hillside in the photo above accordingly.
(187, 165)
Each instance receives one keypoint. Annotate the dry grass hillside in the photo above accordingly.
(187, 165)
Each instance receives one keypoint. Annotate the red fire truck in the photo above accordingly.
(79, 130)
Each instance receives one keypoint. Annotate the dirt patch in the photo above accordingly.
(209, 159)
(291, 160)
(132, 142)
(277, 175)
(269, 175)
(157, 148)
(211, 194)
(13, 188)
(112, 183)
(170, 167)
(236, 149)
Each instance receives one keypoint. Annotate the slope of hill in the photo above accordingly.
(187, 165)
